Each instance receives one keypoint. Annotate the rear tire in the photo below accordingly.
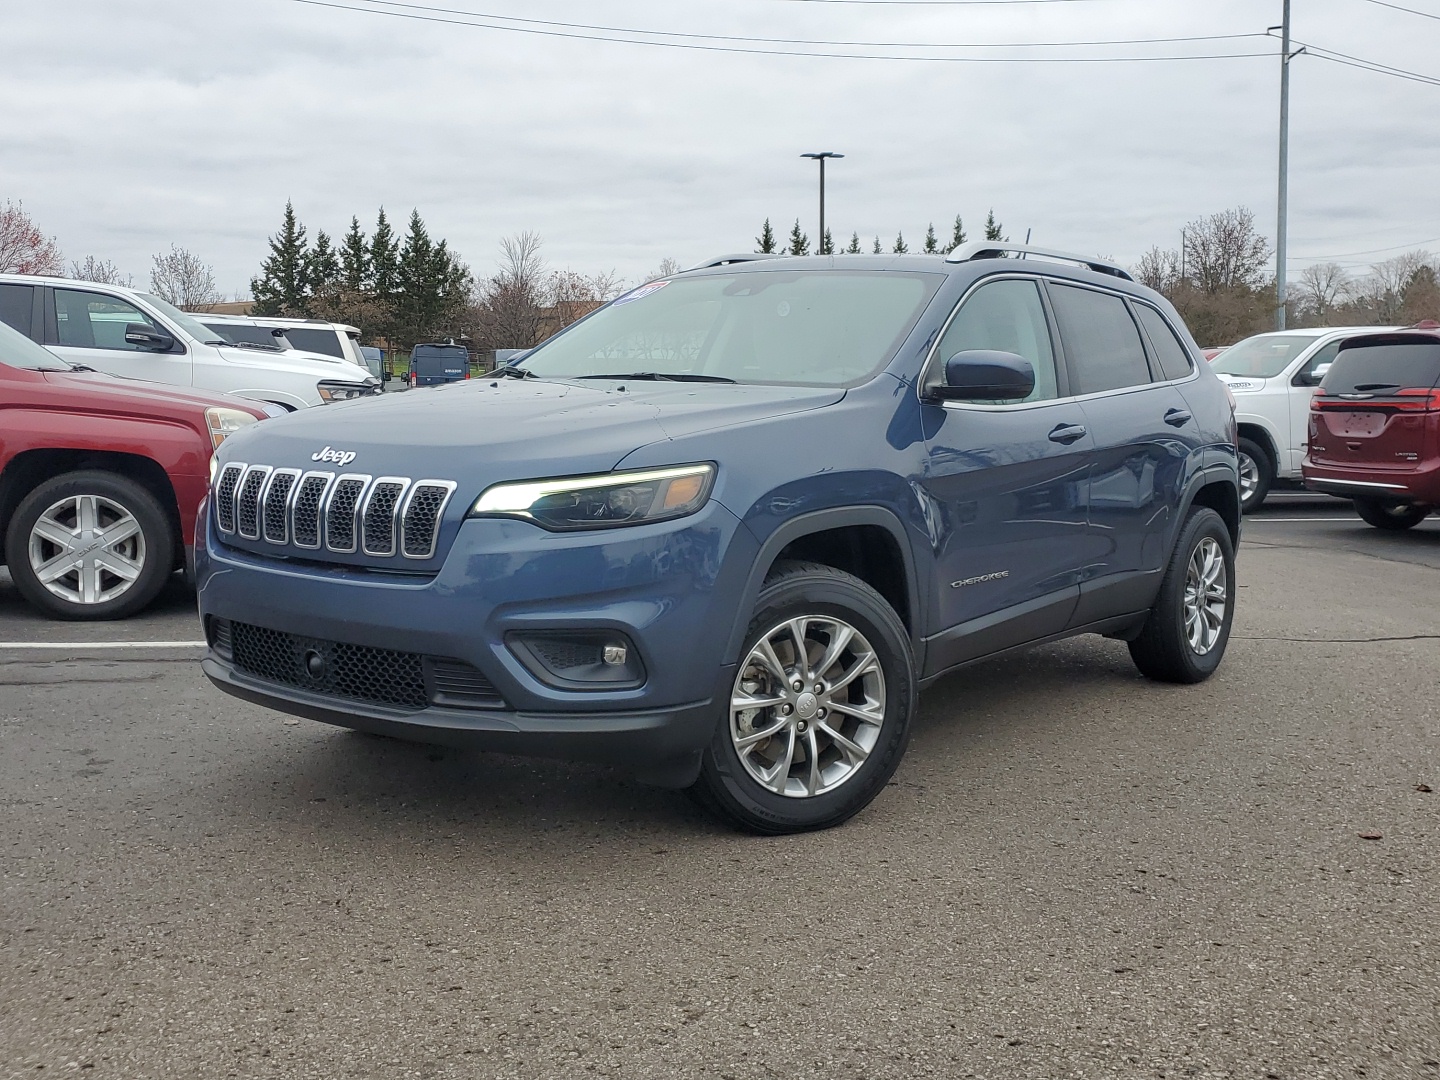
(1257, 473)
(1184, 638)
(829, 722)
(90, 545)
(1392, 517)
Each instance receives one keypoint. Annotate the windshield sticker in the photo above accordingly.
(640, 293)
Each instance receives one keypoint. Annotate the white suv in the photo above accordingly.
(337, 340)
(135, 335)
(1273, 377)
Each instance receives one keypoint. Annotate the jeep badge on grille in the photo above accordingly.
(339, 457)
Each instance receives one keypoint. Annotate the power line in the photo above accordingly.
(1397, 7)
(828, 43)
(1371, 251)
(582, 32)
(1369, 65)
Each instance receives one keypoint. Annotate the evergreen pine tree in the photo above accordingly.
(384, 274)
(766, 240)
(854, 248)
(799, 242)
(993, 229)
(958, 236)
(280, 288)
(932, 243)
(878, 249)
(901, 248)
(415, 275)
(322, 267)
(354, 258)
(827, 243)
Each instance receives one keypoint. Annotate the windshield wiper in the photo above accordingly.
(510, 371)
(1365, 387)
(247, 345)
(662, 376)
(78, 367)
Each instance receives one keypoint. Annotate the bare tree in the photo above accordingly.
(571, 295)
(183, 279)
(101, 270)
(508, 311)
(24, 249)
(1224, 251)
(1321, 289)
(668, 268)
(1160, 270)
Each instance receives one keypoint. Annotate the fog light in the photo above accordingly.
(579, 659)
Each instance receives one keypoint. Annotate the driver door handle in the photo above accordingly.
(1177, 417)
(1067, 433)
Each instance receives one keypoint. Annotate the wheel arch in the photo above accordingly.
(1262, 435)
(30, 468)
(1218, 488)
(867, 541)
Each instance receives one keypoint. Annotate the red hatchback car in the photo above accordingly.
(1375, 428)
(100, 480)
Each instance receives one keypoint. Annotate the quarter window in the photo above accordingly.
(1173, 356)
(1006, 316)
(1102, 344)
(87, 320)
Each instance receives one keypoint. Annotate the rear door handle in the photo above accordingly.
(1177, 417)
(1067, 433)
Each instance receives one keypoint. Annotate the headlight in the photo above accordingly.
(602, 502)
(343, 391)
(225, 422)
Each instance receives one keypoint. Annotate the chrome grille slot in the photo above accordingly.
(420, 526)
(225, 496)
(247, 510)
(382, 506)
(276, 514)
(305, 517)
(341, 510)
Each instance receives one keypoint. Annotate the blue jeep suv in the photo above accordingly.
(722, 530)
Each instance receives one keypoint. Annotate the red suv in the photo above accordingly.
(100, 480)
(1375, 428)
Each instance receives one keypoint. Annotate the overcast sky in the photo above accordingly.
(130, 125)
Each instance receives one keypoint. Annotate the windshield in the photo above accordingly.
(1263, 356)
(17, 350)
(255, 335)
(815, 328)
(191, 325)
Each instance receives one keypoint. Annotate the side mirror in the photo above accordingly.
(986, 375)
(384, 375)
(148, 337)
(1312, 378)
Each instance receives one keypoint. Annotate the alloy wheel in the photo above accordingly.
(807, 706)
(1249, 477)
(87, 549)
(1205, 596)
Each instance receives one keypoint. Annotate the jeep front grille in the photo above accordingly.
(379, 517)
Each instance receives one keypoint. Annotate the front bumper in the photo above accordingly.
(672, 589)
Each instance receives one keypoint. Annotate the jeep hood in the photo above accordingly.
(484, 431)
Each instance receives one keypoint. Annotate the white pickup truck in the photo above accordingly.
(1273, 377)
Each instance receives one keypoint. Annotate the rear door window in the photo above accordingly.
(15, 306)
(1102, 344)
(1173, 356)
(1385, 366)
(309, 339)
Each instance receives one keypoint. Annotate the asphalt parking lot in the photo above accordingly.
(1074, 874)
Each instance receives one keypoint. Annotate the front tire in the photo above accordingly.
(90, 545)
(1392, 517)
(819, 714)
(1184, 638)
(1257, 473)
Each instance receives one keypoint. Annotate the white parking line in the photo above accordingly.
(1261, 521)
(102, 644)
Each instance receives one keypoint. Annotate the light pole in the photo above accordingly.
(1283, 194)
(820, 157)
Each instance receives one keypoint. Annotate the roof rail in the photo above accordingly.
(726, 260)
(1000, 249)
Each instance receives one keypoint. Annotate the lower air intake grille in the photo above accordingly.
(355, 672)
(335, 668)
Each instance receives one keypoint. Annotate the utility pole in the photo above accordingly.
(820, 157)
(1284, 195)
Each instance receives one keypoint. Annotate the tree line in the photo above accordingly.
(799, 241)
(1220, 280)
